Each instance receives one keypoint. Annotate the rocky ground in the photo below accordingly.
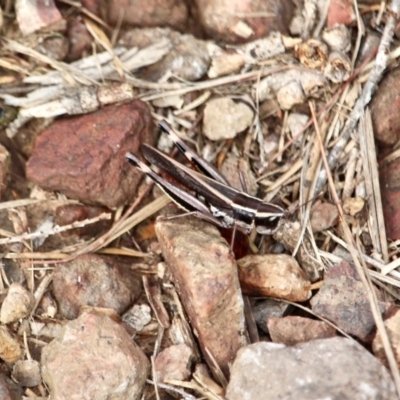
(108, 292)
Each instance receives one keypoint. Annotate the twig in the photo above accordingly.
(56, 229)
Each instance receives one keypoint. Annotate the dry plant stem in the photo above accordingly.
(367, 92)
(157, 347)
(54, 230)
(155, 383)
(212, 83)
(27, 352)
(360, 267)
(360, 33)
(371, 176)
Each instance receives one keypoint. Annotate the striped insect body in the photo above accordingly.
(215, 200)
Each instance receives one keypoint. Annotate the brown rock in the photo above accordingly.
(392, 325)
(92, 280)
(274, 275)
(10, 349)
(80, 40)
(389, 176)
(343, 300)
(334, 368)
(18, 304)
(27, 373)
(204, 271)
(323, 216)
(226, 19)
(55, 47)
(292, 330)
(95, 358)
(174, 363)
(224, 118)
(384, 109)
(171, 13)
(230, 169)
(84, 157)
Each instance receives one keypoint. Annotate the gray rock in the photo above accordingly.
(335, 368)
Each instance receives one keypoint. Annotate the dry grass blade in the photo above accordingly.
(140, 216)
(123, 252)
(373, 193)
(125, 225)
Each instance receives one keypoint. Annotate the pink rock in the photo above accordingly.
(292, 330)
(204, 271)
(95, 358)
(174, 363)
(33, 15)
(274, 275)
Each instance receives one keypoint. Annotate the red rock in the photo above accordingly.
(95, 358)
(4, 169)
(292, 330)
(174, 363)
(226, 19)
(80, 40)
(204, 271)
(84, 157)
(148, 13)
(92, 280)
(389, 176)
(384, 109)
